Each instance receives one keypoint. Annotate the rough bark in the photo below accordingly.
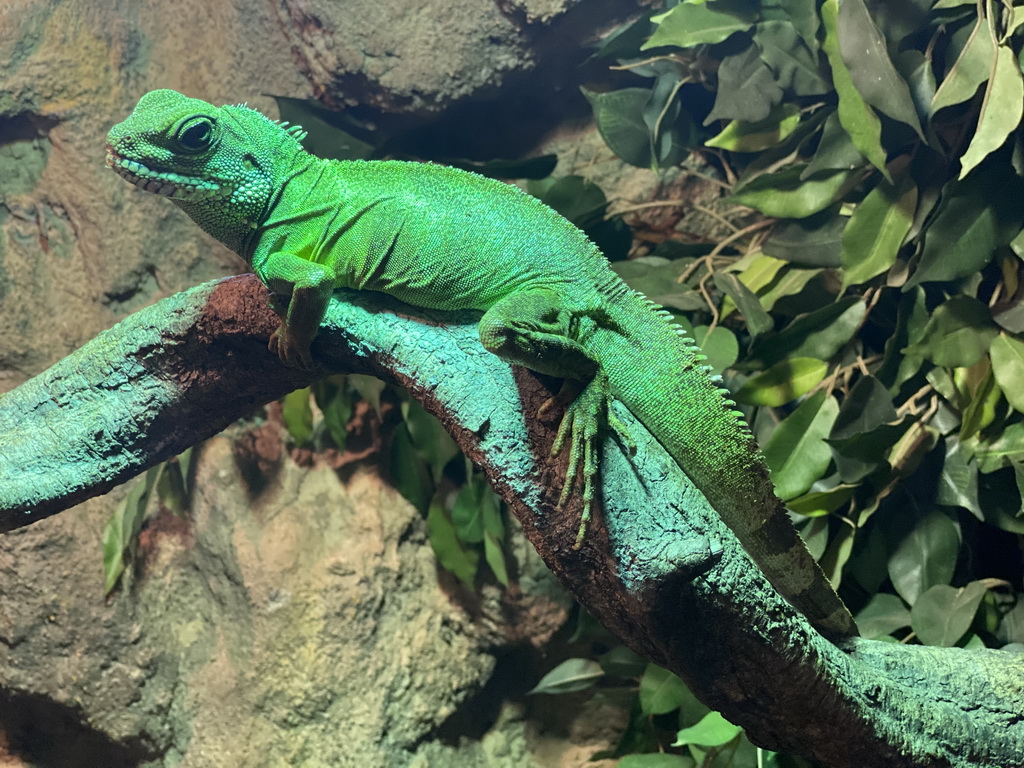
(657, 567)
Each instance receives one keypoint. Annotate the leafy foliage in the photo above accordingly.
(465, 521)
(880, 355)
(877, 308)
(171, 480)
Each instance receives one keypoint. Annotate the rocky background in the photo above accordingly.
(303, 623)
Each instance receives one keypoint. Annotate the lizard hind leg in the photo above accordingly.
(535, 328)
(585, 422)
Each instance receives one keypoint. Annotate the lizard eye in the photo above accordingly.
(196, 134)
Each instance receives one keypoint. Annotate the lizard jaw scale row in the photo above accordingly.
(148, 180)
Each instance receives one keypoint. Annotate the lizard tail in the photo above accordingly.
(663, 379)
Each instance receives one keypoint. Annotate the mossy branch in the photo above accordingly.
(657, 567)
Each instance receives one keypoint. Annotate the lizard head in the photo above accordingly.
(217, 163)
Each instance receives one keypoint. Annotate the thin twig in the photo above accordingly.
(910, 406)
(643, 206)
(740, 233)
(708, 178)
(716, 216)
(635, 64)
(703, 288)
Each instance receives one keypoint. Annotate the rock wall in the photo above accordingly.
(307, 625)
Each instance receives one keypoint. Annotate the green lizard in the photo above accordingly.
(443, 238)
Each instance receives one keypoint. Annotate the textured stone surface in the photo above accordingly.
(400, 56)
(309, 626)
(75, 252)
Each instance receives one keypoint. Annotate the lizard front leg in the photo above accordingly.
(535, 328)
(310, 286)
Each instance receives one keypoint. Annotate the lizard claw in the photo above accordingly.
(582, 426)
(292, 354)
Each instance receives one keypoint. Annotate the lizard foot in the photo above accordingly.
(292, 353)
(582, 425)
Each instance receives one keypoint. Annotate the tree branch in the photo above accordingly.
(657, 567)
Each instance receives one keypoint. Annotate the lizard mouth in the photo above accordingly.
(169, 184)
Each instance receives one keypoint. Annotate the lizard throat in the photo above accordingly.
(164, 183)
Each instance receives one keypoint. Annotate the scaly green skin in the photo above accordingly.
(447, 239)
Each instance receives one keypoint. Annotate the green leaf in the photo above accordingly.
(298, 415)
(741, 136)
(977, 215)
(866, 55)
(638, 735)
(857, 118)
(746, 89)
(813, 241)
(579, 200)
(958, 334)
(981, 411)
(688, 24)
(758, 321)
(796, 452)
(409, 471)
(785, 195)
(660, 691)
(625, 41)
(435, 445)
(655, 760)
(713, 731)
(803, 15)
(530, 168)
(876, 230)
(792, 283)
(571, 675)
(755, 271)
(859, 455)
(958, 482)
(943, 614)
(867, 407)
(620, 661)
(867, 427)
(916, 69)
(994, 453)
(815, 535)
(332, 398)
(122, 530)
(171, 489)
(868, 566)
(821, 503)
(494, 554)
(454, 557)
(185, 459)
(835, 150)
(819, 334)
(657, 279)
(783, 383)
(369, 388)
(911, 318)
(837, 554)
(619, 118)
(1011, 628)
(468, 514)
(720, 346)
(925, 557)
(1000, 112)
(883, 615)
(972, 67)
(794, 65)
(1007, 354)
